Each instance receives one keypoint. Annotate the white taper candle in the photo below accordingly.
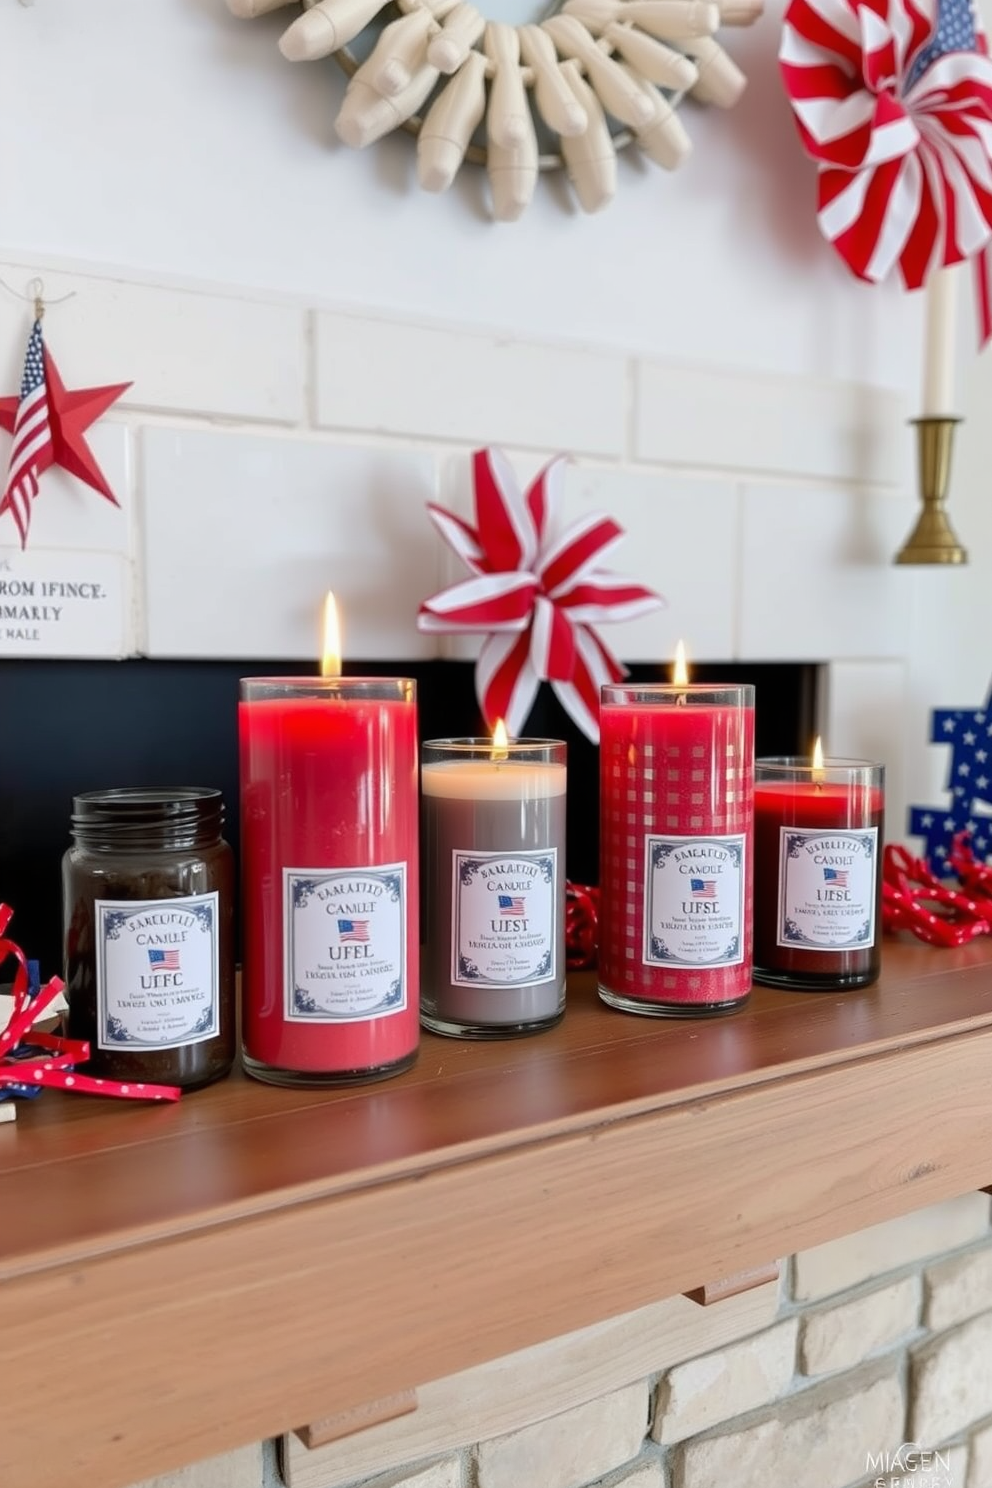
(938, 344)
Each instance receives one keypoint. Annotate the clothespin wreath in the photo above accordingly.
(31, 1061)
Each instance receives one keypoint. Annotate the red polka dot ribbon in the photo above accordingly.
(915, 899)
(47, 1060)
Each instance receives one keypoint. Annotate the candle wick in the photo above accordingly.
(680, 700)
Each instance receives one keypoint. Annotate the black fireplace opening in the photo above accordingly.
(71, 726)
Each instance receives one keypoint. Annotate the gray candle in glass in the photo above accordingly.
(493, 885)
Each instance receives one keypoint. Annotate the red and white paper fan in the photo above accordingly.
(536, 592)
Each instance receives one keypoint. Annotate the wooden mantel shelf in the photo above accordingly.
(177, 1281)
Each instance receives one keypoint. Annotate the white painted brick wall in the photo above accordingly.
(980, 1463)
(820, 1438)
(251, 531)
(432, 382)
(647, 1475)
(841, 1264)
(569, 1450)
(694, 1396)
(796, 571)
(957, 1289)
(446, 1474)
(818, 581)
(952, 1381)
(329, 430)
(239, 1469)
(211, 354)
(775, 425)
(834, 1338)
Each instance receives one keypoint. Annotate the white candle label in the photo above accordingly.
(503, 918)
(826, 889)
(62, 603)
(694, 901)
(345, 943)
(157, 973)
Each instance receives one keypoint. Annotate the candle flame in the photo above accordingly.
(330, 661)
(680, 672)
(818, 771)
(500, 741)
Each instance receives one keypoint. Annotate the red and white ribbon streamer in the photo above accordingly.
(894, 101)
(51, 1060)
(536, 591)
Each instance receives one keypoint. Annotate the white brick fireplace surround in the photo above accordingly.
(315, 348)
(270, 449)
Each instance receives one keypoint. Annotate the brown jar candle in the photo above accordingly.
(148, 913)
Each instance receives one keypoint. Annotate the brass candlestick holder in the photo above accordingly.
(932, 540)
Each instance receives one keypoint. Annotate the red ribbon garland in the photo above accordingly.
(915, 899)
(581, 926)
(55, 1058)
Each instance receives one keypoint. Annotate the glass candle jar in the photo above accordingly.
(493, 831)
(817, 885)
(148, 910)
(676, 820)
(329, 877)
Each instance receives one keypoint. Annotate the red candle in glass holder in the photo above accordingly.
(817, 885)
(329, 869)
(676, 766)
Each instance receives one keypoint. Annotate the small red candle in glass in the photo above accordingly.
(817, 886)
(329, 872)
(676, 785)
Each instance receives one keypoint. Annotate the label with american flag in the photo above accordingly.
(345, 943)
(694, 890)
(506, 918)
(157, 972)
(827, 888)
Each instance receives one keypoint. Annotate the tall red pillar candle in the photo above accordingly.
(329, 872)
(676, 821)
(817, 885)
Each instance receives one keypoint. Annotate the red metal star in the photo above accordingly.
(70, 415)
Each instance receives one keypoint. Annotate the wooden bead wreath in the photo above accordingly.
(631, 59)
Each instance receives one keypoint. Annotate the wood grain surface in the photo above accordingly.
(182, 1280)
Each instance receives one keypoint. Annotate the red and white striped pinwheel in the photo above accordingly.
(894, 100)
(536, 590)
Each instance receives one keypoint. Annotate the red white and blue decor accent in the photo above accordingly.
(893, 99)
(49, 422)
(536, 592)
(31, 1061)
(968, 732)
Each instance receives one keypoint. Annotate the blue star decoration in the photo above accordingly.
(968, 731)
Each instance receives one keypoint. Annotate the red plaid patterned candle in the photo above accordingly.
(676, 824)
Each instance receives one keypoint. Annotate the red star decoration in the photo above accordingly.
(70, 414)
